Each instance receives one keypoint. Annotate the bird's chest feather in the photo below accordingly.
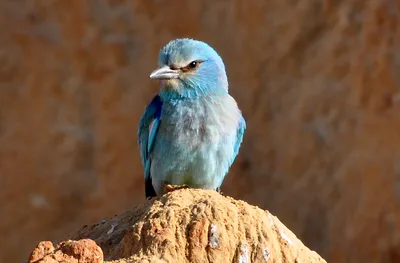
(194, 123)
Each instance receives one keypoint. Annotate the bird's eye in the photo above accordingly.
(193, 64)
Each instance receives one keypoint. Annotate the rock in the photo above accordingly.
(197, 226)
(43, 249)
(81, 251)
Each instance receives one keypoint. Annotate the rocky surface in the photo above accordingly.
(184, 226)
(317, 80)
(82, 251)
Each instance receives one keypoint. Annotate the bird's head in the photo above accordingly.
(190, 68)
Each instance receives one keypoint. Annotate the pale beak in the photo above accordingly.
(164, 73)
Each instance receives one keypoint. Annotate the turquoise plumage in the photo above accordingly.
(191, 132)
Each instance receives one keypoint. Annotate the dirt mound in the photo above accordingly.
(192, 226)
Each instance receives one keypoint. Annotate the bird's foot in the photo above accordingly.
(219, 191)
(148, 198)
(170, 188)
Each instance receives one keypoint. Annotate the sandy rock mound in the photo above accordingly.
(196, 226)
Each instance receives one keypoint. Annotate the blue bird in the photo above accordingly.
(190, 133)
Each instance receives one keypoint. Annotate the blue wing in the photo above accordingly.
(237, 142)
(239, 138)
(147, 133)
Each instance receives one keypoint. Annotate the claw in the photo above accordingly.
(170, 188)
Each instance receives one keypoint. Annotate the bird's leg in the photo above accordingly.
(170, 188)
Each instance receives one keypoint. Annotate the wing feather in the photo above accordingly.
(239, 138)
(147, 134)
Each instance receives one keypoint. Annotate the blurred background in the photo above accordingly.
(317, 81)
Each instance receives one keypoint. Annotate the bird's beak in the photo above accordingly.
(164, 73)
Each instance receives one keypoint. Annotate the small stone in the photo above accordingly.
(81, 251)
(41, 250)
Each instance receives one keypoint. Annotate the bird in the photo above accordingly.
(190, 133)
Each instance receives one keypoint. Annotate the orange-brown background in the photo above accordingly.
(318, 82)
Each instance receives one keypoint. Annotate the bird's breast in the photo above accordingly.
(195, 122)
